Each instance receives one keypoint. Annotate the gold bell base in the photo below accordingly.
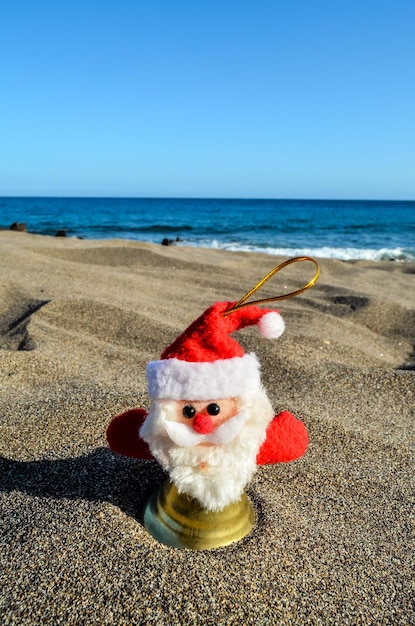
(178, 520)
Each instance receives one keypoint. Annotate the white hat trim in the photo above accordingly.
(187, 380)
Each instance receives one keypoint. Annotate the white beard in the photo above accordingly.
(215, 475)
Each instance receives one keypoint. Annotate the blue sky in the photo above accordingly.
(266, 99)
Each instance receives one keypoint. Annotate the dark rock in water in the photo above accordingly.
(60, 233)
(169, 242)
(20, 227)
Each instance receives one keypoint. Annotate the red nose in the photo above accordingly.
(203, 424)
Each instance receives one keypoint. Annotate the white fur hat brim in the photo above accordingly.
(176, 379)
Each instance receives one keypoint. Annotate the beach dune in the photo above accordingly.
(334, 537)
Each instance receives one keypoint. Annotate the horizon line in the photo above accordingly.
(230, 198)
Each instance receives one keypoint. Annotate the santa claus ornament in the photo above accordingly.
(210, 424)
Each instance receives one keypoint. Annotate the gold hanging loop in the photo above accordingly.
(298, 259)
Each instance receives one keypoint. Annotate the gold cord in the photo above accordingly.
(243, 301)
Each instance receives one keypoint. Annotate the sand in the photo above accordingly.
(334, 540)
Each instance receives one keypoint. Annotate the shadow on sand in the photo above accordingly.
(98, 476)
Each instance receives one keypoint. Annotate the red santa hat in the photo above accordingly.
(205, 362)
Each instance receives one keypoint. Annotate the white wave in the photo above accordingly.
(324, 252)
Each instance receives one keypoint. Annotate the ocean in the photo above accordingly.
(341, 229)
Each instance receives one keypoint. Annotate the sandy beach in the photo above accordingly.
(334, 537)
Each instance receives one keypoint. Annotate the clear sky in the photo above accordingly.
(223, 98)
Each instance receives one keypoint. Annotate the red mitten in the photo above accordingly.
(286, 440)
(123, 435)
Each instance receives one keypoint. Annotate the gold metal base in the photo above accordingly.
(178, 520)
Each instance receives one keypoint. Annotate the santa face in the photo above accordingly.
(209, 447)
(205, 423)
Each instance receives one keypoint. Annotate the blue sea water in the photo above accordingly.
(374, 230)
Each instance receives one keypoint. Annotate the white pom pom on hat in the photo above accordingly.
(205, 362)
(271, 325)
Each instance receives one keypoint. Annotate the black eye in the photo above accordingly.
(189, 411)
(213, 409)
